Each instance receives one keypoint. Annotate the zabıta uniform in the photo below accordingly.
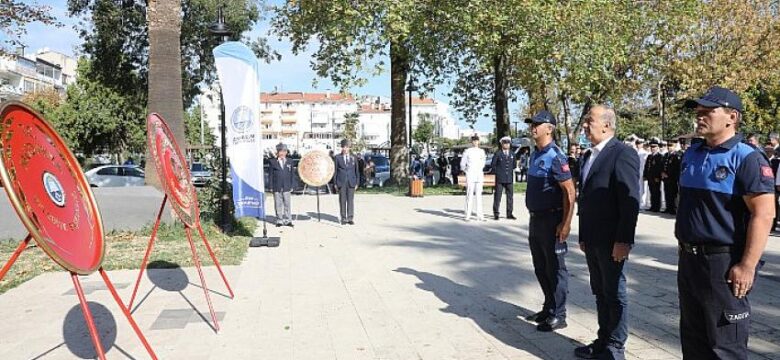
(711, 227)
(544, 200)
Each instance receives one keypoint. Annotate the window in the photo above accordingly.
(109, 171)
(134, 172)
(29, 86)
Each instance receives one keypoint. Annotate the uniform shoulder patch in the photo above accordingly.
(565, 167)
(766, 171)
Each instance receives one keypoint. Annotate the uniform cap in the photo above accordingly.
(717, 97)
(542, 117)
(506, 139)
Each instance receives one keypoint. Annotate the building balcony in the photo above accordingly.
(266, 121)
(288, 112)
(289, 120)
(289, 131)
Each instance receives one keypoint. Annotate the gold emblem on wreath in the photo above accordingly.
(316, 168)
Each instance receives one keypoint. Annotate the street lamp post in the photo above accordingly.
(517, 133)
(410, 88)
(221, 31)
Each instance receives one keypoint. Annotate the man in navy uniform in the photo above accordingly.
(503, 165)
(671, 176)
(550, 201)
(346, 182)
(281, 178)
(722, 226)
(608, 209)
(654, 166)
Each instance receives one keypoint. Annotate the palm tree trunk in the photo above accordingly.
(165, 81)
(399, 156)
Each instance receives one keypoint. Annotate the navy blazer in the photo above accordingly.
(281, 179)
(346, 175)
(503, 166)
(609, 196)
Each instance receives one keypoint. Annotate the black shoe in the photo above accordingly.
(552, 323)
(592, 351)
(495, 217)
(351, 222)
(289, 224)
(539, 317)
(511, 217)
(278, 224)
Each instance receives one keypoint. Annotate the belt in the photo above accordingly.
(706, 249)
(548, 211)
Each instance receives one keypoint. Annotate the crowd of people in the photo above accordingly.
(721, 187)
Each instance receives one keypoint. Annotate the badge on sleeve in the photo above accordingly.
(722, 172)
(565, 167)
(766, 171)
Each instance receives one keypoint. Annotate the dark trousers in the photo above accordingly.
(670, 192)
(655, 194)
(608, 283)
(510, 191)
(347, 202)
(714, 324)
(549, 261)
(777, 212)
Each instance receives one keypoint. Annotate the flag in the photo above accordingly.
(239, 77)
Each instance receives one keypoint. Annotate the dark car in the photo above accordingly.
(381, 169)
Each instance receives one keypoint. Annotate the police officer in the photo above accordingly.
(722, 227)
(550, 201)
(654, 166)
(671, 176)
(503, 165)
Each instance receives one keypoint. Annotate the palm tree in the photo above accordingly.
(165, 81)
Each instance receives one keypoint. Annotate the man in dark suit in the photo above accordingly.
(281, 183)
(653, 169)
(503, 165)
(608, 209)
(346, 182)
(671, 176)
(574, 163)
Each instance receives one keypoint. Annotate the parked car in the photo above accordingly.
(115, 176)
(381, 169)
(200, 174)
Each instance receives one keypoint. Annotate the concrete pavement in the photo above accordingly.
(410, 280)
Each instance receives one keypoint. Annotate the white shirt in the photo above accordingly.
(594, 153)
(472, 163)
(642, 153)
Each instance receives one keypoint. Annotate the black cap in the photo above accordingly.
(474, 137)
(281, 146)
(717, 97)
(654, 142)
(345, 143)
(542, 117)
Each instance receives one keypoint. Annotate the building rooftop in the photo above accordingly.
(298, 96)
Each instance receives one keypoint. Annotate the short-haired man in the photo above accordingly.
(608, 209)
(725, 212)
(653, 169)
(472, 163)
(347, 180)
(550, 202)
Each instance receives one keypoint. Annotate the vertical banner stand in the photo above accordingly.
(195, 259)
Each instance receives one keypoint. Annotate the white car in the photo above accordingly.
(115, 176)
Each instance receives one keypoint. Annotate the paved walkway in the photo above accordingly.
(410, 281)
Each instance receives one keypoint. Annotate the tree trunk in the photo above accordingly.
(399, 155)
(500, 99)
(165, 81)
(566, 126)
(585, 110)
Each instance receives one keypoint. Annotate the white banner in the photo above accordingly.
(239, 77)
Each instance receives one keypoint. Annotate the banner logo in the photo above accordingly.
(54, 189)
(242, 119)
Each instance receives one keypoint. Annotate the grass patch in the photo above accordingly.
(125, 250)
(429, 191)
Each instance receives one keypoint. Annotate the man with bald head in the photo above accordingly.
(608, 210)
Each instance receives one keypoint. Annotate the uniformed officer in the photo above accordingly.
(654, 166)
(723, 222)
(550, 201)
(671, 176)
(503, 165)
